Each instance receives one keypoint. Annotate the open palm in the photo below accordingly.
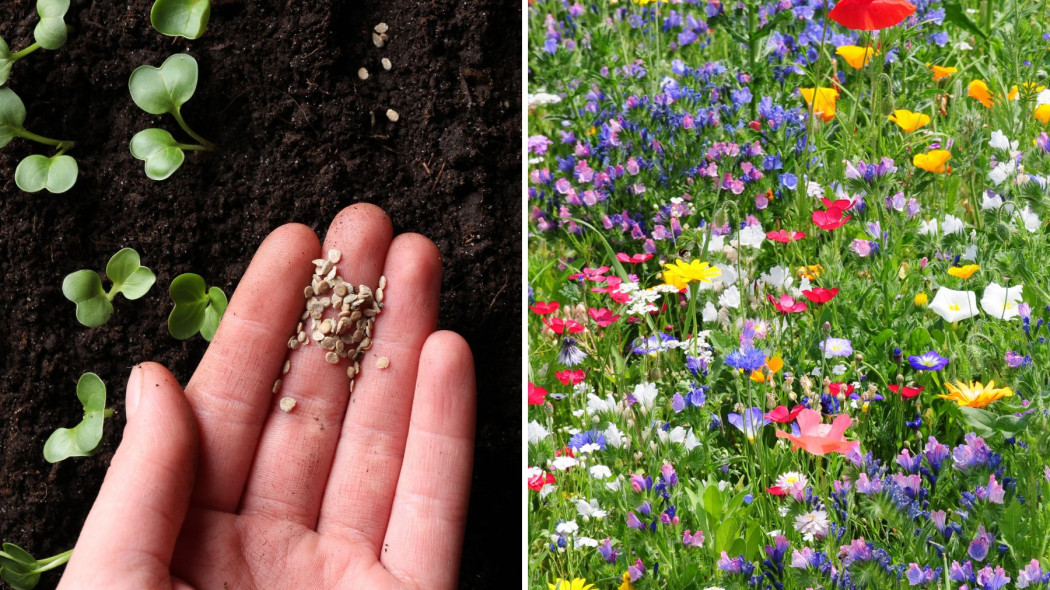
(218, 488)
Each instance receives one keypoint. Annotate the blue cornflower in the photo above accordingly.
(590, 437)
(570, 355)
(929, 361)
(747, 358)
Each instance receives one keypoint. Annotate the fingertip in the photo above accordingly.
(446, 370)
(415, 255)
(362, 219)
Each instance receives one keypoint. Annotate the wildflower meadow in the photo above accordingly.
(788, 294)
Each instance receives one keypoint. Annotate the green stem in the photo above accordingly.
(51, 563)
(61, 144)
(191, 147)
(206, 145)
(20, 54)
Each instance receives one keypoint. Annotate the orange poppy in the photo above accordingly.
(941, 72)
(871, 15)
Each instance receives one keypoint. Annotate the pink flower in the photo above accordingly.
(818, 438)
(787, 304)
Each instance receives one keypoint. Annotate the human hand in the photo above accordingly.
(220, 489)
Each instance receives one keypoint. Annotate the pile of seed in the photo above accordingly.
(346, 334)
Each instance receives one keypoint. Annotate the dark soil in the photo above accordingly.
(279, 94)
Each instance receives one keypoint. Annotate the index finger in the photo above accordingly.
(231, 390)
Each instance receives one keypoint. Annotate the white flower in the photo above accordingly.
(963, 46)
(562, 463)
(597, 405)
(730, 297)
(812, 525)
(951, 225)
(547, 489)
(613, 436)
(542, 97)
(778, 277)
(1002, 171)
(999, 141)
(792, 480)
(954, 305)
(709, 313)
(970, 253)
(928, 227)
(1042, 98)
(715, 243)
(614, 485)
(584, 542)
(645, 393)
(728, 277)
(990, 202)
(589, 449)
(752, 236)
(590, 510)
(537, 432)
(600, 472)
(567, 528)
(1030, 219)
(1000, 302)
(676, 435)
(814, 190)
(723, 485)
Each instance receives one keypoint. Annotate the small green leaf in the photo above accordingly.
(51, 31)
(84, 287)
(17, 570)
(954, 13)
(196, 309)
(159, 150)
(164, 89)
(982, 421)
(57, 174)
(884, 337)
(12, 115)
(83, 439)
(180, 18)
(129, 277)
(6, 61)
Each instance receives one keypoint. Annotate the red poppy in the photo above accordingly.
(840, 204)
(620, 297)
(537, 395)
(820, 294)
(564, 451)
(560, 326)
(782, 415)
(830, 219)
(905, 391)
(784, 237)
(634, 258)
(545, 307)
(570, 377)
(787, 304)
(593, 274)
(840, 388)
(776, 490)
(603, 317)
(871, 15)
(536, 482)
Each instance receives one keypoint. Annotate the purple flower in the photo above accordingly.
(994, 493)
(907, 462)
(749, 423)
(857, 550)
(636, 571)
(1014, 360)
(1043, 141)
(918, 576)
(935, 453)
(868, 486)
(633, 522)
(992, 579)
(961, 573)
(538, 144)
(696, 540)
(974, 453)
(1032, 573)
(570, 355)
(668, 474)
(590, 437)
(930, 361)
(980, 544)
(608, 553)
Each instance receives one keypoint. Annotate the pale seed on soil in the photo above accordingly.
(287, 404)
(366, 344)
(331, 358)
(382, 28)
(392, 115)
(362, 73)
(382, 362)
(386, 64)
(378, 40)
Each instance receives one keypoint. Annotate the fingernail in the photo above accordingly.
(131, 402)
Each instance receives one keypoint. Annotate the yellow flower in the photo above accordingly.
(811, 272)
(1029, 85)
(933, 161)
(575, 584)
(908, 120)
(975, 395)
(941, 72)
(964, 272)
(626, 582)
(824, 107)
(682, 273)
(1042, 112)
(979, 90)
(856, 57)
(921, 299)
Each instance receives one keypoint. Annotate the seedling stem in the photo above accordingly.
(58, 143)
(206, 145)
(20, 54)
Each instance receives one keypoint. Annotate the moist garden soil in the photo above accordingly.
(300, 138)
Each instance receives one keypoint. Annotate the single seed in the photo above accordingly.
(276, 385)
(382, 362)
(321, 287)
(366, 343)
(378, 40)
(356, 315)
(337, 301)
(318, 336)
(359, 335)
(382, 282)
(350, 371)
(334, 256)
(362, 73)
(368, 329)
(386, 64)
(342, 326)
(379, 295)
(352, 385)
(392, 115)
(331, 274)
(382, 28)
(340, 289)
(326, 267)
(318, 261)
(293, 343)
(357, 366)
(305, 315)
(308, 292)
(301, 337)
(326, 327)
(364, 292)
(287, 367)
(331, 358)
(370, 313)
(340, 347)
(287, 404)
(299, 328)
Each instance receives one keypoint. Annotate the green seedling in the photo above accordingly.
(83, 439)
(50, 33)
(21, 571)
(58, 173)
(181, 18)
(94, 304)
(158, 91)
(197, 308)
